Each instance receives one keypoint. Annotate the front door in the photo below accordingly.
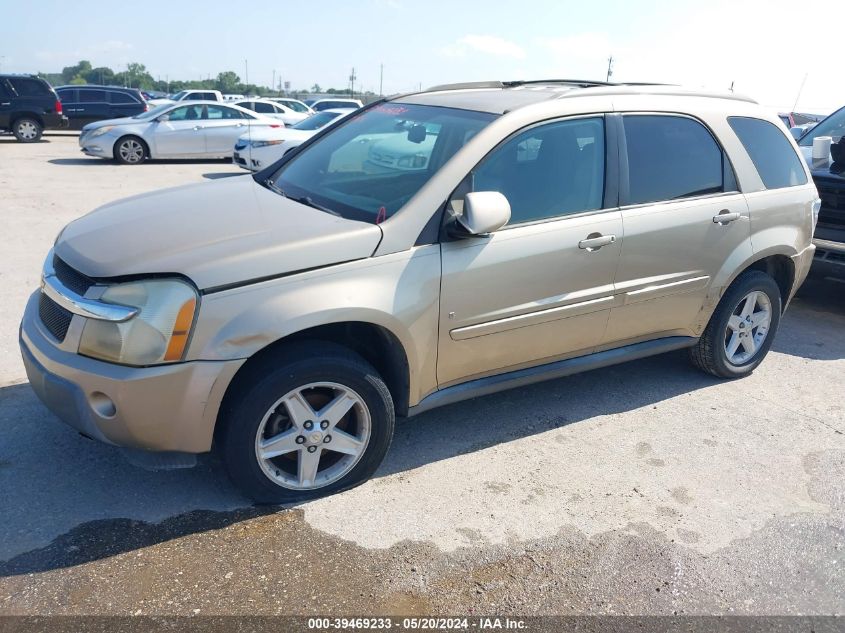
(540, 288)
(182, 134)
(5, 105)
(684, 220)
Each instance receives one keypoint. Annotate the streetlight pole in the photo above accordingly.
(381, 80)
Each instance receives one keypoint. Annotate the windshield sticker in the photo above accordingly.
(391, 109)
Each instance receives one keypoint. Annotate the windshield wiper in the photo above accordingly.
(307, 201)
(272, 186)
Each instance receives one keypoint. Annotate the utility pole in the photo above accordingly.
(352, 78)
(381, 80)
(609, 68)
(273, 84)
(246, 74)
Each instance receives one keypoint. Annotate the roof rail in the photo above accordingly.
(480, 85)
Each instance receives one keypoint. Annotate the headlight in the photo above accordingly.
(157, 334)
(266, 143)
(101, 130)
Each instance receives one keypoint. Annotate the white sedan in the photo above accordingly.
(257, 150)
(199, 129)
(273, 109)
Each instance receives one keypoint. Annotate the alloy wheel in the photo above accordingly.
(131, 151)
(748, 327)
(313, 436)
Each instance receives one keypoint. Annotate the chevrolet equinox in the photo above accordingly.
(432, 247)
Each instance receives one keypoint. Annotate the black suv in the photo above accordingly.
(28, 106)
(829, 176)
(84, 104)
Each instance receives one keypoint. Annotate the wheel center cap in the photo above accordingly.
(315, 438)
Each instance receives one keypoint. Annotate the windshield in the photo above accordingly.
(371, 165)
(834, 126)
(316, 121)
(153, 113)
(296, 106)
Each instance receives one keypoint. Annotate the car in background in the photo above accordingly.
(191, 95)
(28, 106)
(829, 175)
(200, 129)
(294, 104)
(273, 109)
(86, 104)
(149, 95)
(327, 104)
(259, 149)
(231, 97)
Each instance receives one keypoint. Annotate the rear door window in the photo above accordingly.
(672, 157)
(264, 108)
(772, 154)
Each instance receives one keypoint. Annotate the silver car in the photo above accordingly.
(199, 129)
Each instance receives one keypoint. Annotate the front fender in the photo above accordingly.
(399, 292)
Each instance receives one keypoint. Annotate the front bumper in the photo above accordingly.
(163, 408)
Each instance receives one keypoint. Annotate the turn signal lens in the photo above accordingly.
(181, 331)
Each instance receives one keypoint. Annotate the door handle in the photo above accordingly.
(197, 127)
(6, 103)
(726, 217)
(594, 241)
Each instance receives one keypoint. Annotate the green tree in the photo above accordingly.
(316, 89)
(69, 73)
(228, 81)
(101, 75)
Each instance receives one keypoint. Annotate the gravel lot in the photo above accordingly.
(646, 488)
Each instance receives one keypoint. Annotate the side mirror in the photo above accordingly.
(484, 212)
(797, 132)
(164, 118)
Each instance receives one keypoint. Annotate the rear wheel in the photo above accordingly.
(130, 150)
(315, 421)
(27, 130)
(742, 328)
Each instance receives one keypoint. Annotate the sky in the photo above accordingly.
(775, 52)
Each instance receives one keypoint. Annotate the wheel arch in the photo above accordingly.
(375, 343)
(135, 136)
(26, 114)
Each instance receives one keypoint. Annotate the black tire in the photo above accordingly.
(253, 397)
(27, 130)
(130, 150)
(709, 354)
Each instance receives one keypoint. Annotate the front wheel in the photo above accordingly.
(315, 421)
(130, 150)
(742, 328)
(27, 130)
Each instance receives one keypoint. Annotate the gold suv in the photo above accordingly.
(430, 248)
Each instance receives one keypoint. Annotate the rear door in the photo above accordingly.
(540, 288)
(222, 127)
(684, 220)
(69, 99)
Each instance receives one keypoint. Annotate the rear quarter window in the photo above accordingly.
(770, 151)
(121, 98)
(26, 87)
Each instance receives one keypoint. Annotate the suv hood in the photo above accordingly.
(230, 231)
